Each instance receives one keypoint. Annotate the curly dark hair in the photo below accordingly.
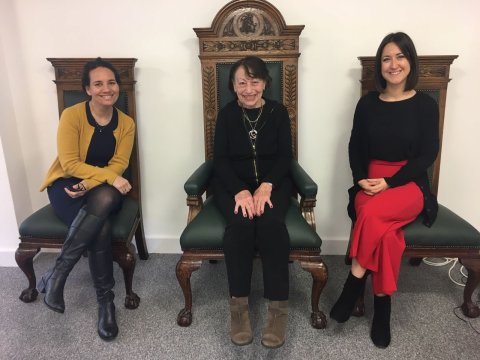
(91, 65)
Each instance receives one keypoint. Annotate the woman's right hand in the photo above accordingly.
(122, 184)
(244, 201)
(373, 186)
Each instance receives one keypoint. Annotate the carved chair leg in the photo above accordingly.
(359, 308)
(140, 241)
(24, 259)
(469, 308)
(125, 257)
(319, 274)
(415, 261)
(184, 272)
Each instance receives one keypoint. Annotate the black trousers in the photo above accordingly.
(266, 234)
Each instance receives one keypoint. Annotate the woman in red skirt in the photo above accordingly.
(394, 140)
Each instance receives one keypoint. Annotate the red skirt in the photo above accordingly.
(377, 237)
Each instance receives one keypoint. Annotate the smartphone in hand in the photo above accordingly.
(79, 187)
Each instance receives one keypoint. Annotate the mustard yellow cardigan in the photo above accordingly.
(73, 139)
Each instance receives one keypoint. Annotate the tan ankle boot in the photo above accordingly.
(274, 332)
(240, 331)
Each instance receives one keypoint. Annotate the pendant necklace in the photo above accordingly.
(252, 123)
(100, 127)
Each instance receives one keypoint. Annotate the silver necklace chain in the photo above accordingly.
(253, 123)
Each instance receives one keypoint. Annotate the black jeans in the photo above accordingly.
(266, 234)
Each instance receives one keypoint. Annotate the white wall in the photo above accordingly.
(169, 108)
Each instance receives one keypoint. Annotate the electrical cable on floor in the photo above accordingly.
(462, 270)
(447, 261)
(455, 310)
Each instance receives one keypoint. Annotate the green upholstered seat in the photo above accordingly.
(448, 231)
(206, 230)
(45, 224)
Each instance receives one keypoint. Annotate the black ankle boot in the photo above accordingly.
(352, 289)
(84, 227)
(107, 324)
(380, 332)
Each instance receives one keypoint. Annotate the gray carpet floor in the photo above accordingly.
(424, 325)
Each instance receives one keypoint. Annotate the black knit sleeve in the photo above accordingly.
(221, 163)
(283, 161)
(428, 144)
(357, 146)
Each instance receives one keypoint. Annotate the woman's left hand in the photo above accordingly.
(375, 186)
(262, 197)
(80, 189)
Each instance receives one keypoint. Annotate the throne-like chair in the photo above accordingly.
(239, 29)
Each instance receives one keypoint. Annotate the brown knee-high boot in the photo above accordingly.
(275, 332)
(241, 330)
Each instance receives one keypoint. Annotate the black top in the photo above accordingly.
(102, 145)
(395, 131)
(241, 163)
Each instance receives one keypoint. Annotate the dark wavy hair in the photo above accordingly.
(254, 67)
(92, 65)
(405, 43)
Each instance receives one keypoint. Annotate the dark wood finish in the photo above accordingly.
(231, 37)
(227, 40)
(434, 76)
(68, 78)
(310, 261)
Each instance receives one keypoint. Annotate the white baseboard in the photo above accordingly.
(334, 247)
(7, 257)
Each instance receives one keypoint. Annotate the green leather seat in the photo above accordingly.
(448, 231)
(206, 230)
(45, 224)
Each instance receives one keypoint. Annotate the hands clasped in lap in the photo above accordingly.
(373, 186)
(253, 205)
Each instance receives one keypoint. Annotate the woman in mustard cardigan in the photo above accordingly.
(85, 186)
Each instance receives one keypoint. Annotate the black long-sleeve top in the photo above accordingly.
(395, 131)
(235, 159)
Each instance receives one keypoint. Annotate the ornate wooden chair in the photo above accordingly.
(248, 28)
(450, 235)
(43, 229)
